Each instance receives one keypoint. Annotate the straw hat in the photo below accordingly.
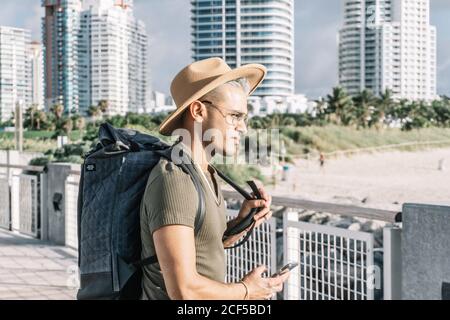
(201, 77)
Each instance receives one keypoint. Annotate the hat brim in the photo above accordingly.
(254, 73)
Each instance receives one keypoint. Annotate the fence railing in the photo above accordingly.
(71, 199)
(334, 263)
(259, 250)
(21, 199)
(5, 216)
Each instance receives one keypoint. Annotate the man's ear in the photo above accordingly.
(197, 111)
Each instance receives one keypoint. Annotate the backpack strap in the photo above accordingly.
(188, 167)
(201, 209)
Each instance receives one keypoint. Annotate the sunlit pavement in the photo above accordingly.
(31, 269)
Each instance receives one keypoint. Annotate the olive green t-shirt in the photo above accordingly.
(170, 198)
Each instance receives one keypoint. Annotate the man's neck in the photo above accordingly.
(199, 155)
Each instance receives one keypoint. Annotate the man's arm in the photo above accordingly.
(175, 248)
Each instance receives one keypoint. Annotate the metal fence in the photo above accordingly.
(5, 214)
(29, 205)
(334, 263)
(71, 199)
(25, 204)
(259, 250)
(21, 201)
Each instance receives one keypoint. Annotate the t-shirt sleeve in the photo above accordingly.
(170, 199)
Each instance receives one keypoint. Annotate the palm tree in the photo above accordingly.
(103, 105)
(94, 112)
(275, 121)
(442, 112)
(30, 114)
(320, 108)
(289, 122)
(79, 124)
(58, 111)
(384, 106)
(338, 104)
(40, 118)
(364, 107)
(67, 126)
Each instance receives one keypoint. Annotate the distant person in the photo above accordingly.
(285, 172)
(441, 166)
(322, 160)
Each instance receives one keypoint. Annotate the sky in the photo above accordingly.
(316, 49)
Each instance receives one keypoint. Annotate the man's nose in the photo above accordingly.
(242, 127)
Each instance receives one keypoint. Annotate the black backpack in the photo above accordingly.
(112, 184)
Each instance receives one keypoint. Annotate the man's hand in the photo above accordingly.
(260, 288)
(248, 205)
(259, 218)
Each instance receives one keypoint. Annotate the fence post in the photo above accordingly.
(43, 206)
(290, 244)
(392, 263)
(56, 182)
(9, 182)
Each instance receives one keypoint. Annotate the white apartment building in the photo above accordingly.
(159, 102)
(101, 57)
(248, 31)
(388, 44)
(15, 70)
(262, 106)
(114, 57)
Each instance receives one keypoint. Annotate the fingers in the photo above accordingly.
(250, 204)
(264, 194)
(259, 270)
(261, 214)
(262, 217)
(277, 281)
(265, 213)
(278, 288)
(270, 296)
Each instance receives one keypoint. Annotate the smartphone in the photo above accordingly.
(287, 267)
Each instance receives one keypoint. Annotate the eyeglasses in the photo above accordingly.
(233, 117)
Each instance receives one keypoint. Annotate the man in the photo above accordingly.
(211, 116)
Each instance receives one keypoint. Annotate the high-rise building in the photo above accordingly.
(388, 44)
(114, 57)
(15, 70)
(37, 74)
(248, 31)
(61, 27)
(107, 61)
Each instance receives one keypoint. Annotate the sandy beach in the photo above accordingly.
(383, 180)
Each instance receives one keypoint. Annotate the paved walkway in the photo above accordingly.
(31, 269)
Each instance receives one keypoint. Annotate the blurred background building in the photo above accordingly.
(95, 50)
(388, 44)
(15, 70)
(248, 31)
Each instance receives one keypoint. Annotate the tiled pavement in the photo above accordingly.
(34, 270)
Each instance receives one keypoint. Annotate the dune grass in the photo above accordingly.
(332, 139)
